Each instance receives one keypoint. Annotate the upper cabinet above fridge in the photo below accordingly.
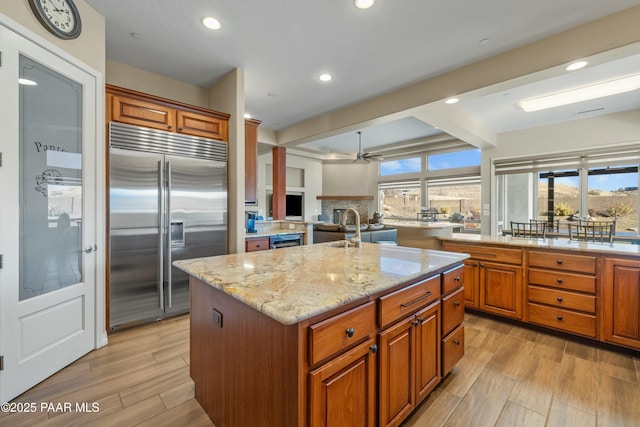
(135, 108)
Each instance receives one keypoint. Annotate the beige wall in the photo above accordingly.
(313, 172)
(89, 47)
(123, 75)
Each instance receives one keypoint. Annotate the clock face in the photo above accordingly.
(60, 17)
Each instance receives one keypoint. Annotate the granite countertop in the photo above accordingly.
(423, 224)
(272, 233)
(561, 244)
(296, 283)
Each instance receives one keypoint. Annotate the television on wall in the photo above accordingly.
(293, 205)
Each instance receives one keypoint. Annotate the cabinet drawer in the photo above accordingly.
(563, 299)
(486, 253)
(406, 301)
(452, 349)
(563, 261)
(452, 311)
(452, 279)
(259, 244)
(578, 323)
(340, 332)
(562, 280)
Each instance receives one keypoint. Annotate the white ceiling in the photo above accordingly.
(283, 45)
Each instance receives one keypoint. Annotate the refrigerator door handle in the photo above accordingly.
(161, 234)
(168, 244)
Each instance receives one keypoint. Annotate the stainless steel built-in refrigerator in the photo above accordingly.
(168, 201)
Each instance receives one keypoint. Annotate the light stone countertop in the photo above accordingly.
(272, 233)
(560, 244)
(422, 224)
(297, 283)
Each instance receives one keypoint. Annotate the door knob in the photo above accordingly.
(90, 248)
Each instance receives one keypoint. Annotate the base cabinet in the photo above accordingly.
(471, 288)
(621, 305)
(501, 289)
(409, 364)
(342, 392)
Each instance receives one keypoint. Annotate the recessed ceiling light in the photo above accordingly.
(364, 4)
(211, 23)
(452, 101)
(576, 65)
(484, 42)
(27, 82)
(247, 115)
(325, 77)
(585, 93)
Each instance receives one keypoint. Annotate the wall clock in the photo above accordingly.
(60, 17)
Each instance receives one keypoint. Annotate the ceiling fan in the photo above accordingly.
(364, 157)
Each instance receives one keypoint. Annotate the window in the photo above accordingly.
(400, 200)
(395, 167)
(599, 185)
(461, 195)
(444, 182)
(455, 159)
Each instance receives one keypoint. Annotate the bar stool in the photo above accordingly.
(530, 230)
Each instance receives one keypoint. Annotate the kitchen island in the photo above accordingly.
(317, 335)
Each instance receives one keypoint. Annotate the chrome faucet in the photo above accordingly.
(355, 241)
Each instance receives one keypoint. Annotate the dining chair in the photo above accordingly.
(551, 226)
(592, 231)
(530, 230)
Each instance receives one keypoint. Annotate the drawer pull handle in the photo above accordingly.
(169, 127)
(415, 322)
(475, 264)
(180, 129)
(456, 342)
(559, 299)
(559, 317)
(559, 262)
(350, 332)
(427, 295)
(374, 349)
(456, 303)
(559, 280)
(456, 279)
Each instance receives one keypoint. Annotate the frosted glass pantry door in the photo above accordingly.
(47, 213)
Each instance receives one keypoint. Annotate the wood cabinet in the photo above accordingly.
(498, 273)
(621, 302)
(409, 364)
(471, 287)
(342, 392)
(139, 109)
(256, 244)
(562, 291)
(452, 317)
(251, 161)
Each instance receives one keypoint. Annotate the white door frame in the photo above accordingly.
(99, 236)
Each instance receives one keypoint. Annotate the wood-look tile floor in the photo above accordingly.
(510, 376)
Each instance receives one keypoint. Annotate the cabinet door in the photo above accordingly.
(427, 351)
(196, 124)
(501, 289)
(397, 372)
(342, 391)
(471, 298)
(141, 113)
(622, 302)
(250, 161)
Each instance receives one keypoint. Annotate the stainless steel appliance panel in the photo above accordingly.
(197, 214)
(135, 278)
